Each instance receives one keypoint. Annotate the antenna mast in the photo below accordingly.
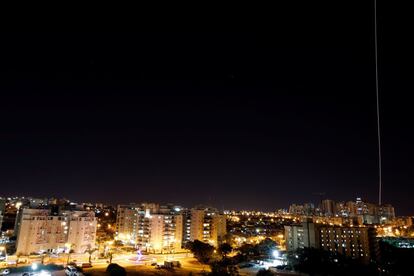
(378, 106)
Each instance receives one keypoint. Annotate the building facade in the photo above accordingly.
(358, 211)
(328, 207)
(127, 222)
(206, 225)
(155, 228)
(300, 236)
(165, 232)
(354, 242)
(150, 227)
(40, 230)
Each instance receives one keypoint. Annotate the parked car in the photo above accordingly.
(5, 271)
(172, 264)
(86, 265)
(71, 271)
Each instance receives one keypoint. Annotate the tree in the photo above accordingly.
(223, 268)
(321, 262)
(225, 249)
(90, 251)
(202, 251)
(396, 261)
(248, 249)
(263, 248)
(43, 258)
(69, 252)
(101, 240)
(312, 261)
(118, 243)
(266, 247)
(116, 270)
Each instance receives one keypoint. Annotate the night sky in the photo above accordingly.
(252, 112)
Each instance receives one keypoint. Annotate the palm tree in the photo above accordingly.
(90, 251)
(110, 257)
(43, 258)
(70, 250)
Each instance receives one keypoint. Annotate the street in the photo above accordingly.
(133, 263)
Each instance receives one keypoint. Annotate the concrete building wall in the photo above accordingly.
(300, 236)
(32, 233)
(82, 231)
(127, 222)
(218, 229)
(179, 225)
(150, 227)
(354, 242)
(166, 232)
(207, 226)
(39, 231)
(196, 226)
(156, 230)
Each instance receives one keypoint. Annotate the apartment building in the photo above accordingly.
(150, 227)
(41, 230)
(354, 242)
(155, 228)
(207, 225)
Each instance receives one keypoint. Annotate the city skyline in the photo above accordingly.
(148, 236)
(253, 118)
(316, 208)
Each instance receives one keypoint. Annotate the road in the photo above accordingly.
(133, 263)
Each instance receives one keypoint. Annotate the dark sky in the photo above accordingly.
(254, 111)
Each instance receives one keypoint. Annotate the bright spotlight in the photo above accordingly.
(275, 253)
